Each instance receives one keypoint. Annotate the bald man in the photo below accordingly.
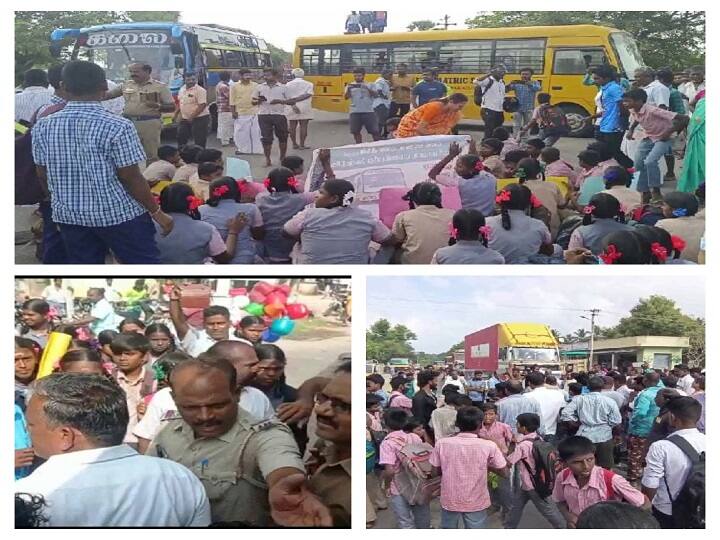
(252, 471)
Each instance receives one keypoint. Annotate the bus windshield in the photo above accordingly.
(627, 52)
(115, 58)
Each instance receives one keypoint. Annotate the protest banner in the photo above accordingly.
(398, 163)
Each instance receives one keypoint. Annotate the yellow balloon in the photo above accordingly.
(57, 346)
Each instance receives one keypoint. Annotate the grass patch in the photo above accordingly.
(317, 329)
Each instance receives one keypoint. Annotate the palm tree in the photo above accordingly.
(581, 334)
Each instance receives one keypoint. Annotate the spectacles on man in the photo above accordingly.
(337, 405)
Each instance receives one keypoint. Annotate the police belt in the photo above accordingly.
(141, 118)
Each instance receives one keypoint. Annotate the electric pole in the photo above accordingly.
(445, 22)
(593, 313)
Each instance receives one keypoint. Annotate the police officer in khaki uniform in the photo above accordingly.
(251, 470)
(145, 100)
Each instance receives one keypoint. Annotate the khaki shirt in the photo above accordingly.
(139, 98)
(331, 483)
(402, 95)
(234, 466)
(691, 229)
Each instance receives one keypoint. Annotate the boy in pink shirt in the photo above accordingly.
(397, 397)
(527, 426)
(464, 461)
(495, 431)
(583, 484)
(408, 517)
(554, 166)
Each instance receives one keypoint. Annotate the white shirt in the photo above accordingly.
(616, 396)
(59, 296)
(494, 95)
(296, 88)
(117, 487)
(690, 90)
(625, 392)
(162, 406)
(657, 94)
(116, 105)
(270, 93)
(460, 381)
(197, 341)
(665, 461)
(550, 401)
(685, 384)
(106, 317)
(112, 295)
(30, 100)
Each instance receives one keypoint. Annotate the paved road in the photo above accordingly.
(307, 358)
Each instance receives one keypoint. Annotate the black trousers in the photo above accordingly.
(382, 112)
(197, 128)
(492, 120)
(398, 109)
(613, 141)
(666, 522)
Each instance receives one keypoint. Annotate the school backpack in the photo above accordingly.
(27, 183)
(554, 121)
(688, 508)
(567, 227)
(415, 480)
(371, 456)
(546, 467)
(479, 92)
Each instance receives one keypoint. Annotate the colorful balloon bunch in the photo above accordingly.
(271, 303)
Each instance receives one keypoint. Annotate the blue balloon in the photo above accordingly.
(268, 336)
(282, 326)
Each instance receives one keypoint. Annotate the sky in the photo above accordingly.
(282, 31)
(443, 310)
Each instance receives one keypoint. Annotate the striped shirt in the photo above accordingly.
(82, 147)
(30, 100)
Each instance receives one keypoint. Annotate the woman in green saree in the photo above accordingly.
(693, 170)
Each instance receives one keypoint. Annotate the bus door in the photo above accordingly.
(569, 64)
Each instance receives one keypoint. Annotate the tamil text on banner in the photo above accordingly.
(396, 163)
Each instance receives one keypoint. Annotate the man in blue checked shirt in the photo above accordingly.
(525, 90)
(87, 159)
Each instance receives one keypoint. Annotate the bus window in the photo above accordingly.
(465, 56)
(627, 52)
(310, 61)
(516, 54)
(415, 55)
(373, 59)
(233, 59)
(213, 58)
(330, 61)
(262, 60)
(577, 61)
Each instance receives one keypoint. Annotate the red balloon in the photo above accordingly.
(263, 288)
(256, 297)
(267, 320)
(274, 310)
(276, 298)
(297, 311)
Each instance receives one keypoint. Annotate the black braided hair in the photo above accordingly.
(468, 222)
(519, 200)
(605, 206)
(232, 193)
(424, 193)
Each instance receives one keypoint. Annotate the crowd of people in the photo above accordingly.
(589, 449)
(179, 423)
(522, 201)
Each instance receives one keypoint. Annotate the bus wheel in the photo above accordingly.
(575, 116)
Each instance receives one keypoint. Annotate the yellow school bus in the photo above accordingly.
(559, 56)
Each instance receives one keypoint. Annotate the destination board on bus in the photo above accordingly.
(128, 38)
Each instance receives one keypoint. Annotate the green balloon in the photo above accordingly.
(255, 309)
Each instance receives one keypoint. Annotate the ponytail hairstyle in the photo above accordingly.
(225, 188)
(179, 198)
(281, 179)
(529, 169)
(472, 163)
(424, 193)
(617, 176)
(663, 245)
(469, 224)
(603, 206)
(625, 247)
(342, 189)
(512, 197)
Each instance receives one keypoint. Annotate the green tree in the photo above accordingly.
(665, 38)
(279, 57)
(385, 341)
(420, 25)
(33, 28)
